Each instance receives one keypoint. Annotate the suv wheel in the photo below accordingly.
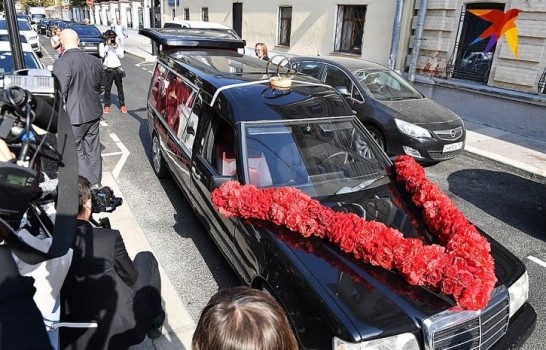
(160, 168)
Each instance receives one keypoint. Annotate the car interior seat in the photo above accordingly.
(258, 169)
(225, 151)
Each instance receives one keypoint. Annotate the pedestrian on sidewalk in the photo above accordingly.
(56, 42)
(261, 51)
(81, 77)
(104, 285)
(121, 31)
(112, 52)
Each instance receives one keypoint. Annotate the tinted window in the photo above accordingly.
(172, 25)
(23, 24)
(6, 61)
(311, 68)
(86, 30)
(156, 97)
(337, 78)
(180, 98)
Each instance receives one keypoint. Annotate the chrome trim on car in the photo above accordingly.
(469, 329)
(449, 135)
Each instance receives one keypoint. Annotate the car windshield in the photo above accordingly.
(386, 85)
(23, 24)
(86, 30)
(322, 157)
(6, 61)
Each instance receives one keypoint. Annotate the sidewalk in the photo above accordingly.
(524, 155)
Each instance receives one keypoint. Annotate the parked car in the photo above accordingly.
(49, 26)
(199, 25)
(7, 65)
(26, 30)
(90, 37)
(215, 115)
(399, 117)
(42, 26)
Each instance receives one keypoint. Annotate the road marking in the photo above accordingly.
(125, 154)
(537, 260)
(111, 154)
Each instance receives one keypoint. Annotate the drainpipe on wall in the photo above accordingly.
(396, 34)
(417, 38)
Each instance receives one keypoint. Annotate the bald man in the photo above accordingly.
(81, 77)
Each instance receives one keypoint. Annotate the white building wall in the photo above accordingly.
(313, 24)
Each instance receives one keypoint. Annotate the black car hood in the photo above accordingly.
(421, 112)
(377, 301)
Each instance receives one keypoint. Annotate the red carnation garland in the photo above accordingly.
(461, 267)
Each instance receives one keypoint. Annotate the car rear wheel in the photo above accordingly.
(377, 136)
(160, 168)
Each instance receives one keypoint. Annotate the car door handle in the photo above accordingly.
(195, 174)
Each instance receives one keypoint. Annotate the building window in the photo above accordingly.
(187, 14)
(350, 29)
(205, 14)
(285, 25)
(173, 13)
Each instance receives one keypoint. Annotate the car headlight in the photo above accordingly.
(404, 341)
(412, 129)
(519, 293)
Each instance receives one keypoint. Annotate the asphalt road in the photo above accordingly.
(505, 204)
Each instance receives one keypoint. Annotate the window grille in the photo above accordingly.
(187, 14)
(205, 14)
(542, 83)
(350, 29)
(469, 60)
(285, 25)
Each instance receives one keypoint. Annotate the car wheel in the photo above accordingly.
(377, 136)
(160, 168)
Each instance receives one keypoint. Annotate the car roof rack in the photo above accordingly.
(193, 38)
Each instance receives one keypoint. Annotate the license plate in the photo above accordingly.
(452, 147)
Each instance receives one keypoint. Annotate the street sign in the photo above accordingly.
(89, 2)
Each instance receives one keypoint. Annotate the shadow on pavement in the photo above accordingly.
(514, 200)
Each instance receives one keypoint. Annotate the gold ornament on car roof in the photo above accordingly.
(282, 80)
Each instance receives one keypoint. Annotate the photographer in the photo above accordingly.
(112, 51)
(104, 285)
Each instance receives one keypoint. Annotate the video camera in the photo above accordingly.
(103, 201)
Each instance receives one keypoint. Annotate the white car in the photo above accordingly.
(6, 59)
(26, 30)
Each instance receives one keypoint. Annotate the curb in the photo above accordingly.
(179, 325)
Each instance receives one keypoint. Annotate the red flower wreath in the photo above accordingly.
(461, 266)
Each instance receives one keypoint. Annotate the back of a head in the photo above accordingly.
(69, 38)
(243, 318)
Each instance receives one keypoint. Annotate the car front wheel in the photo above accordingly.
(160, 168)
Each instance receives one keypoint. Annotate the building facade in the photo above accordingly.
(364, 29)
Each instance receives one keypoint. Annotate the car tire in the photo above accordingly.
(158, 163)
(377, 136)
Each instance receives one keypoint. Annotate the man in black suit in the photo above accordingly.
(81, 77)
(103, 285)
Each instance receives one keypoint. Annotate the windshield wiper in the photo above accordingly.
(362, 185)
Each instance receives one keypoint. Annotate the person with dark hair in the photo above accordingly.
(261, 51)
(105, 286)
(243, 318)
(112, 52)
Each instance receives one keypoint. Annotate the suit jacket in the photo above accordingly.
(81, 77)
(98, 288)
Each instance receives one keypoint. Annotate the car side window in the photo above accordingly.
(337, 78)
(223, 154)
(179, 98)
(311, 68)
(157, 99)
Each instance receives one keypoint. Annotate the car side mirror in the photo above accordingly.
(190, 130)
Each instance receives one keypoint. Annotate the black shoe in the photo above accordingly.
(157, 326)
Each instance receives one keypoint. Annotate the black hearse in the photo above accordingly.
(215, 115)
